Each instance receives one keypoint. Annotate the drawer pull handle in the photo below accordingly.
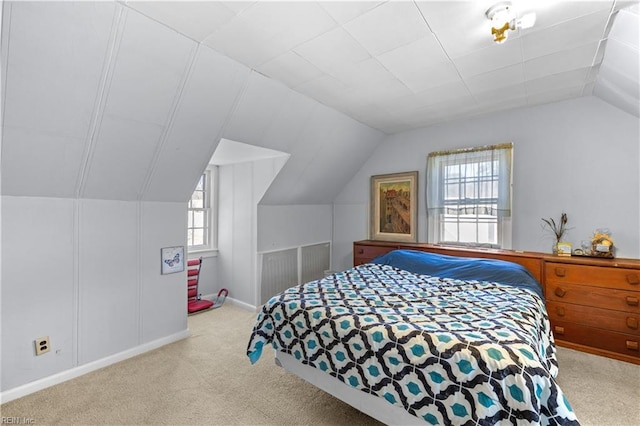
(632, 323)
(633, 279)
(632, 301)
(560, 272)
(560, 311)
(560, 292)
(558, 330)
(360, 251)
(632, 345)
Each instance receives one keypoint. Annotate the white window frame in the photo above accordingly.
(436, 204)
(210, 208)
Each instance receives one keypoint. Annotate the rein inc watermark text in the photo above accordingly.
(17, 420)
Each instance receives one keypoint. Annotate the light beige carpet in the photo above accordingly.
(206, 379)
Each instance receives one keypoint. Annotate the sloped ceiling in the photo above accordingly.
(618, 81)
(127, 100)
(399, 65)
(103, 102)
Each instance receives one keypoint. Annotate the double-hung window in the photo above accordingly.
(469, 196)
(200, 216)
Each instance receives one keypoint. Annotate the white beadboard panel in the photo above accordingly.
(109, 278)
(243, 223)
(54, 69)
(163, 301)
(150, 64)
(35, 163)
(205, 105)
(279, 271)
(37, 287)
(122, 156)
(314, 261)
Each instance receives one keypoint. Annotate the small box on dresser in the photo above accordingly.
(593, 305)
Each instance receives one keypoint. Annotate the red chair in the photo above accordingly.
(195, 303)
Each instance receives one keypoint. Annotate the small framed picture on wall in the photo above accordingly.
(394, 199)
(172, 259)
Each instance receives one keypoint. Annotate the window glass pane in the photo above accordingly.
(190, 219)
(190, 237)
(200, 185)
(198, 237)
(450, 231)
(197, 200)
(452, 191)
(467, 231)
(198, 219)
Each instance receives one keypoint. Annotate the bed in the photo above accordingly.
(416, 337)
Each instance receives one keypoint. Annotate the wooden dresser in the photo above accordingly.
(593, 304)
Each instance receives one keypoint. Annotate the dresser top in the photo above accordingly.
(578, 260)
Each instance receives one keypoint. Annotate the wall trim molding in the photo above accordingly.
(236, 302)
(81, 370)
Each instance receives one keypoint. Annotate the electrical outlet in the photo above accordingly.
(42, 345)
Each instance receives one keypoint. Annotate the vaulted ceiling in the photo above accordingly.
(103, 102)
(398, 65)
(128, 100)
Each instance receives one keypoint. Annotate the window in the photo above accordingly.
(200, 229)
(469, 196)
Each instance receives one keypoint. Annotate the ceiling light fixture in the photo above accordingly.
(503, 18)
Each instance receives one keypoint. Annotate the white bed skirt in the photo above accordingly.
(371, 405)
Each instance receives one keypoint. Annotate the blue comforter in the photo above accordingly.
(461, 268)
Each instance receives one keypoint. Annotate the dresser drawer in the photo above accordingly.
(622, 343)
(623, 322)
(621, 278)
(364, 254)
(598, 297)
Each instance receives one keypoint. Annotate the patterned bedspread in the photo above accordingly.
(448, 351)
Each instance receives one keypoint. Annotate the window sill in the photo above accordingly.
(204, 253)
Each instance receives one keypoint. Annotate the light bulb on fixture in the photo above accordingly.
(503, 18)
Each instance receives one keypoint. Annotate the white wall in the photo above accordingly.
(578, 156)
(283, 227)
(241, 186)
(86, 273)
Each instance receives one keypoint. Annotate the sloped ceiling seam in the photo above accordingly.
(115, 38)
(230, 114)
(599, 53)
(166, 131)
(6, 26)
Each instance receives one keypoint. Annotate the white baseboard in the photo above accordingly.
(80, 370)
(242, 305)
(236, 302)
